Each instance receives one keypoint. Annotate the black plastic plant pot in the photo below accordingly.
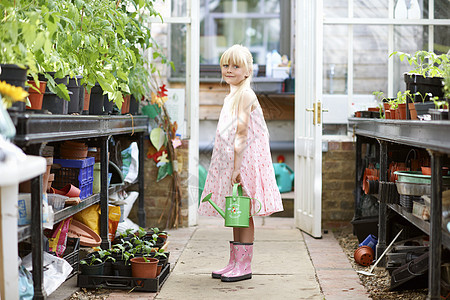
(96, 102)
(96, 269)
(75, 87)
(120, 269)
(63, 80)
(55, 104)
(108, 269)
(438, 114)
(13, 74)
(134, 106)
(424, 85)
(108, 106)
(422, 108)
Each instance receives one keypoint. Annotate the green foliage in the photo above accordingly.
(425, 63)
(90, 261)
(102, 40)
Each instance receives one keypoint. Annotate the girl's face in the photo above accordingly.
(234, 74)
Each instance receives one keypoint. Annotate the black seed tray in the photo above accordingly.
(125, 283)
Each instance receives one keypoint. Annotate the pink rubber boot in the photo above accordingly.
(217, 274)
(242, 270)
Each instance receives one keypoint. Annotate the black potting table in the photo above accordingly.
(35, 130)
(431, 135)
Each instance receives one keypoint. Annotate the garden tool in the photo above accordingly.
(284, 177)
(237, 208)
(379, 258)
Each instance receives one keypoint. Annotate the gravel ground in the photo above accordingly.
(378, 285)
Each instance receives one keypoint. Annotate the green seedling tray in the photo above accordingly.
(418, 177)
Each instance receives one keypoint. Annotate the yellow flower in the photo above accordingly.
(11, 94)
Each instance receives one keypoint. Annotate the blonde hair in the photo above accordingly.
(240, 56)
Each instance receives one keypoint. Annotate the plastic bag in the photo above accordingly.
(56, 271)
(58, 240)
(91, 218)
(130, 162)
(26, 289)
(113, 221)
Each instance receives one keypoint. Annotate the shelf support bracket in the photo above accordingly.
(434, 277)
(382, 217)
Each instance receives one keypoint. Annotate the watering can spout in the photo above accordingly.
(219, 210)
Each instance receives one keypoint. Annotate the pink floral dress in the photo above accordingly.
(257, 173)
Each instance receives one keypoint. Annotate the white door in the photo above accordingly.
(308, 117)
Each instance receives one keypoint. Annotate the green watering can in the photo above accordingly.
(237, 208)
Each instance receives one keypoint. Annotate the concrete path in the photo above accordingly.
(282, 268)
(287, 264)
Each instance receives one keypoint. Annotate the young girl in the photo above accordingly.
(241, 155)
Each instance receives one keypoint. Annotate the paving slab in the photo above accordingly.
(281, 267)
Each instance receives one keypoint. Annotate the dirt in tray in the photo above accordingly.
(378, 285)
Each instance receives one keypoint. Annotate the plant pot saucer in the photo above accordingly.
(88, 237)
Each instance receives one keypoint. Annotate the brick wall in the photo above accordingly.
(338, 181)
(157, 194)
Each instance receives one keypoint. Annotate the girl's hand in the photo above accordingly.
(235, 177)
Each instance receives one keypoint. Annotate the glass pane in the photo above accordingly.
(335, 8)
(335, 59)
(407, 39)
(376, 9)
(272, 6)
(442, 10)
(370, 59)
(441, 39)
(178, 49)
(179, 8)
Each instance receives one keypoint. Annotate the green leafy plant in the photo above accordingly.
(92, 260)
(102, 40)
(160, 253)
(105, 255)
(439, 103)
(424, 63)
(423, 97)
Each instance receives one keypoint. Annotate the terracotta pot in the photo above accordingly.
(387, 114)
(412, 111)
(358, 114)
(69, 190)
(36, 96)
(394, 114)
(401, 111)
(142, 269)
(427, 171)
(51, 178)
(386, 106)
(364, 255)
(126, 104)
(87, 98)
(158, 269)
(73, 150)
(373, 109)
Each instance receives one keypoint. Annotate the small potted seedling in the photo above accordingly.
(144, 267)
(92, 265)
(440, 112)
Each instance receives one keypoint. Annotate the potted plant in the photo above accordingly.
(144, 267)
(440, 112)
(427, 73)
(92, 265)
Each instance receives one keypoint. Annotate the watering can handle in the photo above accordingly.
(237, 191)
(260, 206)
